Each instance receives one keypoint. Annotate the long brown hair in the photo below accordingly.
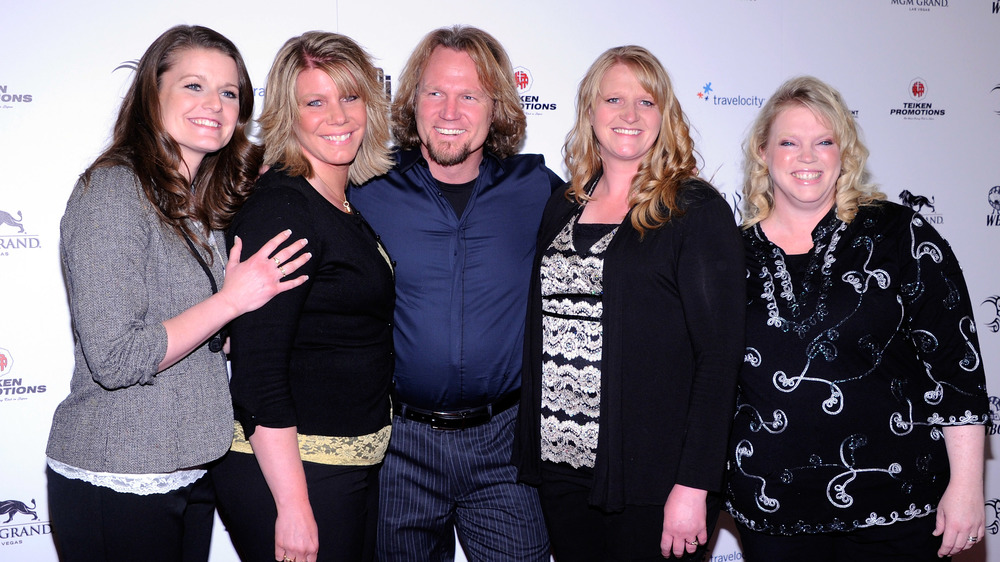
(671, 159)
(140, 142)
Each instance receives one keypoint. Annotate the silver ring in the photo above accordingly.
(692, 543)
(973, 539)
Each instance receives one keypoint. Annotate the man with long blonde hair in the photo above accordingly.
(459, 213)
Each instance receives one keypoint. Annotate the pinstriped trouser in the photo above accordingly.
(434, 480)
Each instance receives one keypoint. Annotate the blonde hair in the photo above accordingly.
(507, 124)
(670, 161)
(351, 69)
(853, 187)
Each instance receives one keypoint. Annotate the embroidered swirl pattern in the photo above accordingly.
(858, 355)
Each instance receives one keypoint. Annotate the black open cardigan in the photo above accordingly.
(673, 332)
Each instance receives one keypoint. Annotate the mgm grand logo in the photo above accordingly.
(13, 235)
(10, 508)
(8, 219)
(921, 204)
(12, 531)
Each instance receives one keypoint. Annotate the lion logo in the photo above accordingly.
(10, 508)
(7, 218)
(916, 202)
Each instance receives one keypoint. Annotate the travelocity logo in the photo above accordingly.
(709, 95)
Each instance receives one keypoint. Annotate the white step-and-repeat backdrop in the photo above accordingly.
(922, 76)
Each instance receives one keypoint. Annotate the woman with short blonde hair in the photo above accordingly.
(312, 371)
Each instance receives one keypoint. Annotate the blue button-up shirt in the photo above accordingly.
(461, 282)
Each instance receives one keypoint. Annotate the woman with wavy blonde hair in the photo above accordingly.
(858, 433)
(311, 372)
(635, 329)
(668, 162)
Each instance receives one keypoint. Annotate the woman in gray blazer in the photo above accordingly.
(149, 405)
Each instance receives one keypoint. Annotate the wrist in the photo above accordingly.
(689, 491)
(229, 309)
(967, 482)
(298, 505)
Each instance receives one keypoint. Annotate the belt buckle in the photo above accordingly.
(442, 417)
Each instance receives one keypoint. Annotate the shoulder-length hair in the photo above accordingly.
(671, 159)
(351, 69)
(141, 143)
(853, 187)
(495, 75)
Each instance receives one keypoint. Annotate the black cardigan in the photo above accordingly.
(674, 306)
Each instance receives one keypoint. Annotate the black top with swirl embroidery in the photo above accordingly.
(854, 362)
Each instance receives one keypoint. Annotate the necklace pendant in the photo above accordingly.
(347, 205)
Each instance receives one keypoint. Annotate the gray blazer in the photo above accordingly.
(126, 274)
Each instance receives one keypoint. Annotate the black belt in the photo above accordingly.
(457, 419)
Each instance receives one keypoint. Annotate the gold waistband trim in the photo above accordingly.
(363, 450)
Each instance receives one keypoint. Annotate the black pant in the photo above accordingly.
(909, 541)
(93, 524)
(582, 533)
(344, 501)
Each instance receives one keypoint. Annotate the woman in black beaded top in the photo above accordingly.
(858, 433)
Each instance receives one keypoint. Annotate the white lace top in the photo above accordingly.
(572, 287)
(140, 484)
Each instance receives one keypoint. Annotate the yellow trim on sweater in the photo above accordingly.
(362, 450)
